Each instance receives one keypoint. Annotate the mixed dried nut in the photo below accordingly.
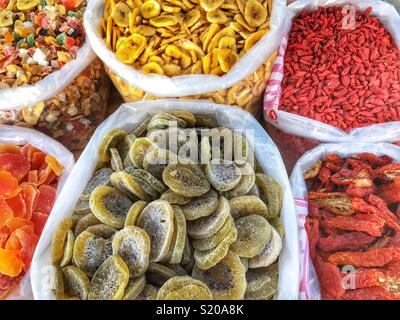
(28, 184)
(153, 223)
(38, 37)
(354, 226)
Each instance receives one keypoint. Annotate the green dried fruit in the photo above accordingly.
(184, 288)
(157, 274)
(134, 213)
(76, 282)
(116, 161)
(201, 206)
(223, 175)
(68, 249)
(100, 178)
(128, 185)
(212, 241)
(262, 283)
(60, 239)
(245, 184)
(84, 223)
(149, 293)
(174, 198)
(111, 139)
(248, 205)
(134, 288)
(138, 151)
(271, 193)
(178, 240)
(269, 254)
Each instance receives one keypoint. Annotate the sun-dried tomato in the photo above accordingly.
(336, 202)
(374, 293)
(312, 229)
(389, 172)
(372, 258)
(348, 241)
(360, 222)
(330, 278)
(372, 159)
(390, 193)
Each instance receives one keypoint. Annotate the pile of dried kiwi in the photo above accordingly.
(153, 224)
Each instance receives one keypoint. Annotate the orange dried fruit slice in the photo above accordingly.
(5, 212)
(29, 193)
(54, 165)
(17, 205)
(9, 148)
(33, 176)
(13, 242)
(16, 164)
(28, 150)
(16, 223)
(9, 186)
(10, 263)
(28, 245)
(45, 199)
(37, 160)
(39, 221)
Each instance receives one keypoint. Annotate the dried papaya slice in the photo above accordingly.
(209, 258)
(109, 206)
(76, 282)
(33, 177)
(11, 263)
(16, 223)
(17, 205)
(28, 150)
(39, 221)
(254, 232)
(207, 226)
(226, 280)
(157, 219)
(9, 148)
(45, 199)
(110, 280)
(9, 186)
(13, 242)
(134, 288)
(133, 245)
(5, 212)
(54, 165)
(28, 245)
(111, 139)
(37, 160)
(29, 193)
(100, 178)
(15, 164)
(3, 239)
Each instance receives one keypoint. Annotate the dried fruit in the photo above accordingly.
(157, 219)
(184, 288)
(59, 239)
(262, 283)
(85, 222)
(148, 293)
(269, 253)
(76, 282)
(271, 192)
(111, 140)
(212, 241)
(174, 198)
(134, 288)
(134, 213)
(254, 232)
(226, 280)
(129, 186)
(157, 274)
(201, 206)
(248, 205)
(110, 280)
(245, 184)
(68, 249)
(132, 244)
(178, 240)
(223, 176)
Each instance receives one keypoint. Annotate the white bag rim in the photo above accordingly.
(163, 86)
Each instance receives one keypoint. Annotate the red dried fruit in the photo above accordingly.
(312, 229)
(387, 279)
(39, 220)
(330, 277)
(38, 160)
(367, 223)
(390, 193)
(29, 193)
(3, 239)
(389, 172)
(5, 212)
(45, 199)
(17, 205)
(14, 163)
(9, 187)
(9, 148)
(347, 241)
(336, 202)
(378, 257)
(375, 293)
(28, 245)
(16, 223)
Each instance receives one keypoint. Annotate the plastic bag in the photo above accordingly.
(243, 85)
(21, 136)
(291, 129)
(309, 284)
(128, 116)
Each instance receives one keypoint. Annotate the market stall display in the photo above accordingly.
(347, 198)
(33, 168)
(337, 71)
(200, 201)
(46, 80)
(219, 50)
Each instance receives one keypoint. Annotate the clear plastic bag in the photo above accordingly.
(309, 284)
(21, 136)
(128, 117)
(242, 85)
(307, 132)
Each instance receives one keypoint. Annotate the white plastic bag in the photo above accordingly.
(29, 95)
(21, 136)
(296, 125)
(187, 85)
(309, 284)
(128, 117)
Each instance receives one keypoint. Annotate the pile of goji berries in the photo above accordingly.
(353, 221)
(346, 77)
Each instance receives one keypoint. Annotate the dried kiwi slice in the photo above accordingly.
(110, 280)
(174, 198)
(134, 213)
(132, 244)
(128, 185)
(156, 160)
(134, 288)
(226, 280)
(262, 283)
(76, 282)
(84, 223)
(148, 293)
(157, 219)
(82, 207)
(178, 240)
(157, 274)
(68, 249)
(271, 193)
(100, 178)
(254, 232)
(212, 241)
(208, 226)
(110, 206)
(186, 179)
(184, 288)
(201, 206)
(270, 252)
(102, 230)
(60, 239)
(209, 258)
(248, 205)
(111, 139)
(245, 184)
(116, 161)
(139, 149)
(148, 178)
(223, 175)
